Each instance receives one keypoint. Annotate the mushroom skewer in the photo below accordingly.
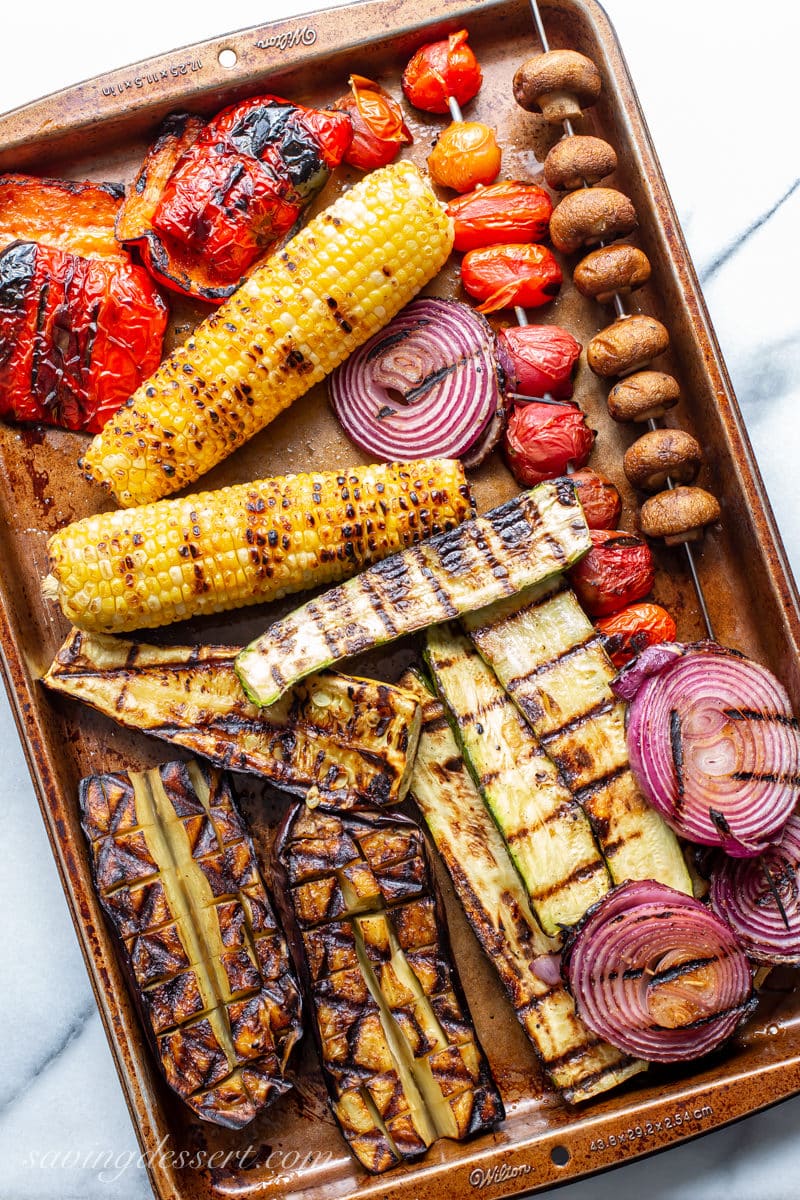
(622, 313)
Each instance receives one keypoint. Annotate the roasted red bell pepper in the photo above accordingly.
(62, 213)
(77, 335)
(378, 126)
(212, 198)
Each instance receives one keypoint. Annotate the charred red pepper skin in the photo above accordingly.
(378, 126)
(618, 570)
(504, 276)
(627, 632)
(510, 211)
(542, 439)
(538, 360)
(77, 335)
(439, 70)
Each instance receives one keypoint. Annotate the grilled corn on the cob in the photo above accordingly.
(251, 543)
(336, 283)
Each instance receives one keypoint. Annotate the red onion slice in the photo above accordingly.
(760, 898)
(714, 744)
(426, 386)
(657, 974)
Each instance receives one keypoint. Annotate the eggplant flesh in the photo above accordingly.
(400, 1057)
(176, 873)
(340, 738)
(496, 905)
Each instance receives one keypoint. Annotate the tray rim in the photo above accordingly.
(20, 685)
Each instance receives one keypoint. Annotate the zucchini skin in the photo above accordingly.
(550, 659)
(312, 852)
(343, 739)
(525, 541)
(176, 874)
(547, 834)
(496, 905)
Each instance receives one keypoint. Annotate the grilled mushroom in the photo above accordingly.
(591, 215)
(660, 455)
(558, 84)
(611, 270)
(626, 345)
(679, 515)
(577, 160)
(644, 396)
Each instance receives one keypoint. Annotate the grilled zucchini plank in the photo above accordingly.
(400, 1058)
(550, 659)
(525, 541)
(345, 739)
(548, 836)
(176, 873)
(497, 908)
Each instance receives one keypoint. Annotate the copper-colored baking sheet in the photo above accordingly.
(100, 130)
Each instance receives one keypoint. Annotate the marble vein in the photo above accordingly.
(73, 1031)
(735, 245)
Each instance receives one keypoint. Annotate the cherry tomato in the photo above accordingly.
(465, 155)
(618, 570)
(440, 70)
(600, 500)
(538, 360)
(503, 212)
(378, 126)
(541, 439)
(627, 632)
(502, 276)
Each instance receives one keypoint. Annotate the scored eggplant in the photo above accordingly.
(525, 541)
(342, 739)
(550, 659)
(496, 905)
(401, 1061)
(548, 836)
(176, 873)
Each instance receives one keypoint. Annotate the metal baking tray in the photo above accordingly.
(100, 129)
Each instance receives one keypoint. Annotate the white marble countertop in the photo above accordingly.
(717, 80)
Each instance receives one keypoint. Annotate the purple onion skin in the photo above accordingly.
(643, 937)
(651, 661)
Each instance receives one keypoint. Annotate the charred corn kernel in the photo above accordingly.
(163, 562)
(296, 318)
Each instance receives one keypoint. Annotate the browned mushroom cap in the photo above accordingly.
(611, 270)
(577, 160)
(626, 345)
(644, 396)
(679, 515)
(557, 84)
(660, 455)
(591, 215)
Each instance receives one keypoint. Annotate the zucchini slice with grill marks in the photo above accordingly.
(400, 1057)
(176, 873)
(497, 908)
(347, 740)
(548, 836)
(524, 541)
(550, 659)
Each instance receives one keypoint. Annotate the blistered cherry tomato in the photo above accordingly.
(378, 126)
(618, 570)
(542, 439)
(503, 276)
(600, 500)
(538, 360)
(503, 212)
(627, 632)
(465, 155)
(440, 70)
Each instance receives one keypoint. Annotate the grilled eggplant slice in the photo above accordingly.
(176, 873)
(548, 836)
(340, 738)
(525, 541)
(401, 1060)
(496, 904)
(550, 659)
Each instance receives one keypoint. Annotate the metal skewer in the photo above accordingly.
(621, 312)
